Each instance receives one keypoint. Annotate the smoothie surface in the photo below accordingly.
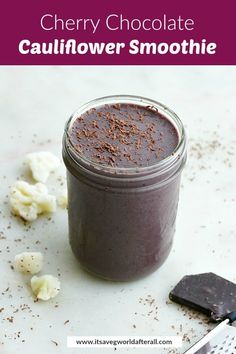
(124, 135)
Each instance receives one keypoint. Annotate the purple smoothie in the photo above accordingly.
(123, 173)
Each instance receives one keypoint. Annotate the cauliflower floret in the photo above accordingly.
(28, 201)
(62, 199)
(29, 262)
(45, 287)
(42, 164)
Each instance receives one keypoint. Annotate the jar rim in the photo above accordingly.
(114, 170)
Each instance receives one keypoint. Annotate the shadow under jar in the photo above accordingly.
(124, 156)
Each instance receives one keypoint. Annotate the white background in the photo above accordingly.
(34, 105)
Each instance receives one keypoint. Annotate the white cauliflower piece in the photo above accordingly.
(28, 201)
(45, 287)
(42, 164)
(29, 262)
(62, 199)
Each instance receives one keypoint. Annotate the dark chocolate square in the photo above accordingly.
(206, 292)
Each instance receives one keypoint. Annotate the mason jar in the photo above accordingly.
(122, 220)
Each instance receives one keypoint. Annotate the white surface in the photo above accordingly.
(34, 105)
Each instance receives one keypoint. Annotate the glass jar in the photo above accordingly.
(122, 220)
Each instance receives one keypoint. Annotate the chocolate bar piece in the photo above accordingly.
(208, 293)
